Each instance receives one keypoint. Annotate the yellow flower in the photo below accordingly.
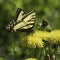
(31, 59)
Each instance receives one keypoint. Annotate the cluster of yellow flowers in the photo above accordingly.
(31, 59)
(36, 38)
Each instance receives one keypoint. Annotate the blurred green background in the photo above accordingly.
(11, 44)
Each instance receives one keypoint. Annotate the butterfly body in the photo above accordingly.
(22, 21)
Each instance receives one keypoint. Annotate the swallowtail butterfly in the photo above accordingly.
(22, 21)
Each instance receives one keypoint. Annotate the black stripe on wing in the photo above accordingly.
(17, 13)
